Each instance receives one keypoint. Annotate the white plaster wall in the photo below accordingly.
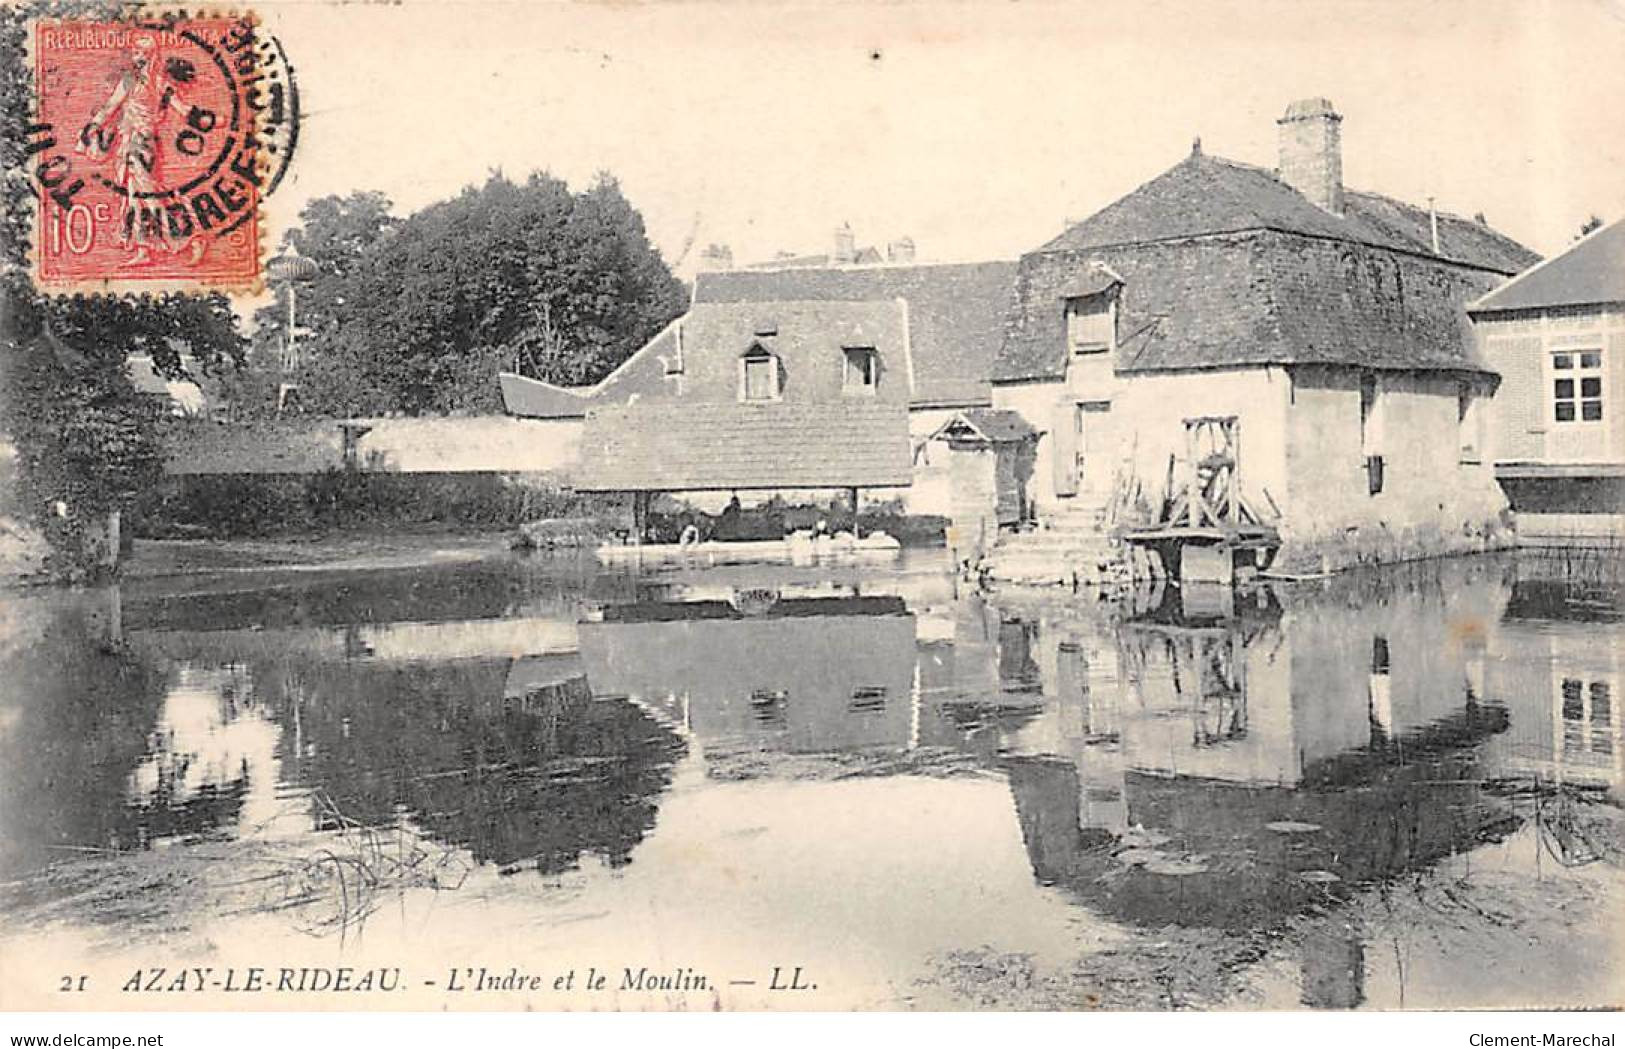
(1431, 503)
(1153, 409)
(499, 443)
(1036, 401)
(932, 491)
(1146, 422)
(1523, 419)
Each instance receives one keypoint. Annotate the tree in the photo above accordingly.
(1592, 223)
(419, 315)
(86, 441)
(336, 234)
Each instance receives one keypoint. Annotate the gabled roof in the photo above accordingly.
(956, 313)
(1205, 195)
(1588, 273)
(668, 446)
(995, 425)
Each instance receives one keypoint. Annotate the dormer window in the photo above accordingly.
(862, 374)
(1090, 324)
(759, 375)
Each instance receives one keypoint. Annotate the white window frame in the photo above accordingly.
(758, 352)
(1567, 364)
(1075, 314)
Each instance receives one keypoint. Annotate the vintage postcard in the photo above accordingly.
(805, 506)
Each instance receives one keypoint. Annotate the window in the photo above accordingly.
(1089, 324)
(768, 707)
(758, 375)
(1577, 386)
(862, 373)
(868, 699)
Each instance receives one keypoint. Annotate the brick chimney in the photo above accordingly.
(900, 250)
(846, 246)
(1312, 152)
(716, 257)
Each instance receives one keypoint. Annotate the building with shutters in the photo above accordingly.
(1556, 334)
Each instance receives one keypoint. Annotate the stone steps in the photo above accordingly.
(1065, 551)
(1070, 548)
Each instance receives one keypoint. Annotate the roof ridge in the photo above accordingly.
(1372, 194)
(1243, 165)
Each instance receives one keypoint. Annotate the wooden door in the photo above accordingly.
(1092, 447)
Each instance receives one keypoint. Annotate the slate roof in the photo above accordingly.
(679, 446)
(1205, 194)
(1224, 265)
(1588, 273)
(994, 424)
(956, 313)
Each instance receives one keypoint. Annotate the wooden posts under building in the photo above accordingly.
(640, 516)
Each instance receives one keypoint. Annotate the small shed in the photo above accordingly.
(991, 460)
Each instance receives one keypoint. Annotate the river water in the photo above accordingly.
(833, 787)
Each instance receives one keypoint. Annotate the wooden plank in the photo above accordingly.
(1235, 469)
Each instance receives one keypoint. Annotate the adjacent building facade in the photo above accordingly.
(1556, 334)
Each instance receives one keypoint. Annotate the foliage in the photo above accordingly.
(1592, 223)
(419, 315)
(228, 506)
(85, 438)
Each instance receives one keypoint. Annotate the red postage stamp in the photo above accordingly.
(154, 144)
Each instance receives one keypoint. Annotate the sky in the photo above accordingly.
(979, 129)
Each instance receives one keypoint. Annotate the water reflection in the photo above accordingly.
(801, 674)
(1223, 764)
